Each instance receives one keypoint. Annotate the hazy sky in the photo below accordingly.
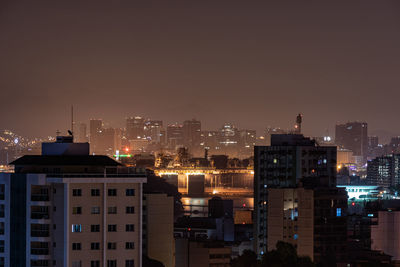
(253, 63)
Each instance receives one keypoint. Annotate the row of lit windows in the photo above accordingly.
(77, 228)
(110, 246)
(96, 210)
(112, 192)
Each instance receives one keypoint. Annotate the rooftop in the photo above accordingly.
(65, 160)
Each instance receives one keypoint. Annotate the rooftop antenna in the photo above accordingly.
(299, 120)
(72, 120)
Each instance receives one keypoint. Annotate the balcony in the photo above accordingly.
(40, 212)
(39, 197)
(39, 251)
(40, 216)
(39, 248)
(39, 193)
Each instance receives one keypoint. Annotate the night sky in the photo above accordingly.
(248, 62)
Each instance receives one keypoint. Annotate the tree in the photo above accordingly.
(247, 259)
(285, 255)
(151, 262)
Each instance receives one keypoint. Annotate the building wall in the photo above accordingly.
(290, 219)
(159, 230)
(385, 236)
(104, 219)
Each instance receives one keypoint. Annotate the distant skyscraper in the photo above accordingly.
(175, 136)
(135, 128)
(247, 141)
(353, 136)
(81, 135)
(228, 139)
(153, 130)
(192, 135)
(209, 140)
(95, 130)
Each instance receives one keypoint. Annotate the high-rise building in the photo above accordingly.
(192, 135)
(384, 171)
(81, 135)
(135, 128)
(95, 128)
(209, 140)
(67, 208)
(353, 136)
(289, 159)
(106, 144)
(247, 141)
(228, 139)
(175, 136)
(153, 131)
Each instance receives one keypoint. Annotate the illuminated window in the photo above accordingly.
(338, 212)
(77, 228)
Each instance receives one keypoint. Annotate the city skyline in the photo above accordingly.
(216, 62)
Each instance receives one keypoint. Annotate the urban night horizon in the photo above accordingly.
(199, 133)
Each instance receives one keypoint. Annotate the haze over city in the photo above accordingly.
(253, 64)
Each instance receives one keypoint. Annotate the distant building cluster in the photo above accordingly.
(152, 136)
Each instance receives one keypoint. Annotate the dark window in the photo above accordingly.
(77, 210)
(95, 228)
(130, 210)
(112, 192)
(129, 263)
(112, 227)
(129, 245)
(130, 192)
(2, 191)
(95, 246)
(1, 246)
(94, 263)
(112, 263)
(130, 227)
(112, 210)
(95, 210)
(77, 192)
(76, 246)
(34, 263)
(95, 192)
(112, 245)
